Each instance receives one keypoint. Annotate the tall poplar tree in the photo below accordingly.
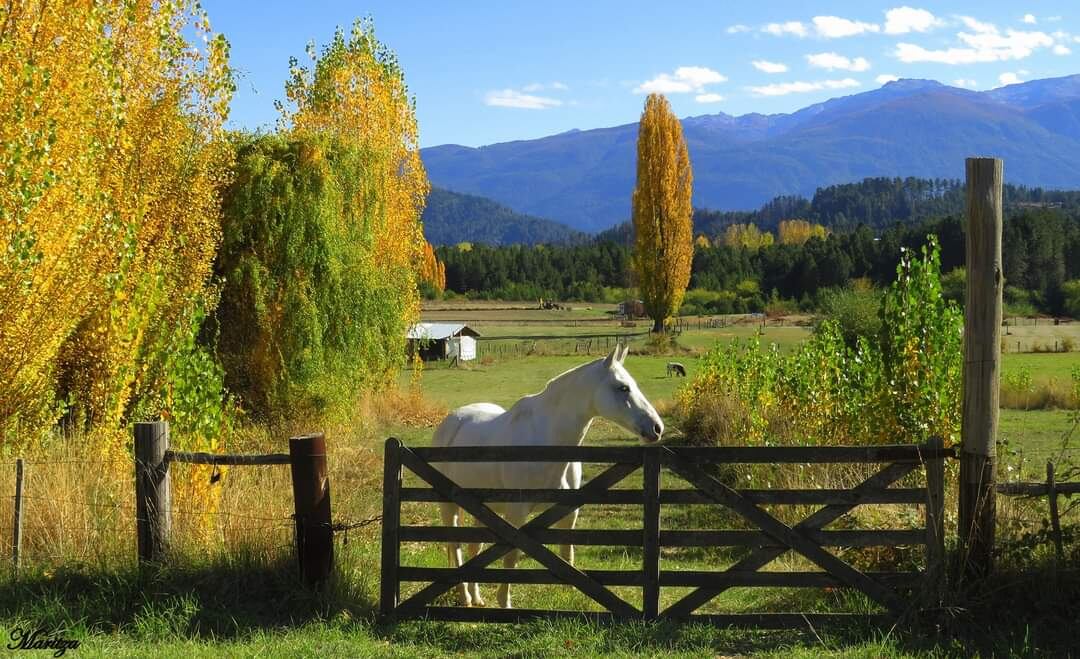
(662, 212)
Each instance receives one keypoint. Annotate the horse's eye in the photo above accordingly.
(624, 388)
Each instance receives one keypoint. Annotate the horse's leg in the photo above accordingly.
(568, 522)
(451, 514)
(474, 549)
(515, 515)
(571, 481)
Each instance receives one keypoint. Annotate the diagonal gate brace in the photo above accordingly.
(519, 538)
(792, 538)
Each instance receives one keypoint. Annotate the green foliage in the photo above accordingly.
(922, 344)
(1071, 292)
(902, 385)
(306, 315)
(854, 312)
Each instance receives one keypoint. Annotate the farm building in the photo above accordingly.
(442, 341)
(631, 309)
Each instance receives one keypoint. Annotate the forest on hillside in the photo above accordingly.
(866, 225)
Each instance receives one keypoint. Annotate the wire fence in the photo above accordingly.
(75, 510)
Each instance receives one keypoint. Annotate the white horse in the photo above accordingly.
(560, 415)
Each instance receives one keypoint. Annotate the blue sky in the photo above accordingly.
(486, 72)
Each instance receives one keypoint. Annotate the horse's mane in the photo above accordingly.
(557, 378)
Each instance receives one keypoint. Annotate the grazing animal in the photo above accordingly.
(676, 368)
(560, 415)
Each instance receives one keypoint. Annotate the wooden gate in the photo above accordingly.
(770, 539)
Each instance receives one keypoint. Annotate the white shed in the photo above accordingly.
(443, 341)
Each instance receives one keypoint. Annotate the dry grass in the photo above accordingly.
(80, 507)
(1017, 394)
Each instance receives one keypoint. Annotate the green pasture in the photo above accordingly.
(249, 603)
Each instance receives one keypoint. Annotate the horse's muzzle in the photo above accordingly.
(653, 434)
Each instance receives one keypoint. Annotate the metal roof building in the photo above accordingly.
(443, 341)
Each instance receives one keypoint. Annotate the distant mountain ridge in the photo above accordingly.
(920, 128)
(450, 218)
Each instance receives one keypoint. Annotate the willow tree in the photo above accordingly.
(322, 237)
(663, 225)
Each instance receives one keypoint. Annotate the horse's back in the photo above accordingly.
(460, 425)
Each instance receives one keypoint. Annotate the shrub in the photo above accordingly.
(854, 311)
(903, 384)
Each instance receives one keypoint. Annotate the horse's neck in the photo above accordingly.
(568, 408)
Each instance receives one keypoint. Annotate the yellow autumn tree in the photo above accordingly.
(355, 92)
(662, 212)
(747, 236)
(797, 232)
(112, 158)
(432, 270)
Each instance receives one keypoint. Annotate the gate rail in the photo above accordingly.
(770, 539)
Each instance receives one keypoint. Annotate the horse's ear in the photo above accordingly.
(612, 358)
(625, 352)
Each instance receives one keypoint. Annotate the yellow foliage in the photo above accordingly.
(747, 236)
(111, 152)
(432, 270)
(702, 241)
(662, 211)
(356, 92)
(797, 232)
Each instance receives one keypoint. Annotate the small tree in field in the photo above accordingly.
(663, 246)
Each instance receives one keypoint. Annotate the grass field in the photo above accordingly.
(241, 597)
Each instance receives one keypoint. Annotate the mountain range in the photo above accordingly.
(450, 218)
(584, 178)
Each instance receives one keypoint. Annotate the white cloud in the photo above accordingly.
(539, 86)
(1062, 49)
(1029, 19)
(977, 26)
(790, 27)
(886, 77)
(685, 79)
(769, 67)
(783, 88)
(985, 45)
(511, 98)
(834, 27)
(964, 82)
(708, 98)
(833, 61)
(735, 29)
(1009, 78)
(901, 20)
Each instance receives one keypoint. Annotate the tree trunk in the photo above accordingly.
(658, 325)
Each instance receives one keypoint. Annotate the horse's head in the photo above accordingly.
(618, 399)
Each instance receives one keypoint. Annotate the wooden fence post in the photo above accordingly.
(153, 497)
(16, 537)
(311, 502)
(650, 594)
(391, 516)
(1055, 518)
(935, 524)
(982, 355)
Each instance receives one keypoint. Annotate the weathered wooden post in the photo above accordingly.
(935, 524)
(311, 503)
(16, 534)
(982, 355)
(391, 516)
(153, 499)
